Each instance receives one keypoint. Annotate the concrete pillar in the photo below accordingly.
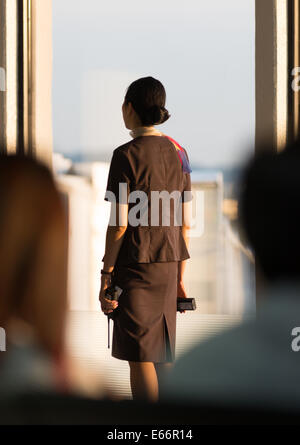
(26, 60)
(271, 72)
(2, 75)
(293, 70)
(41, 44)
(271, 76)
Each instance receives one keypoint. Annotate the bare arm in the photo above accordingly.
(115, 234)
(186, 224)
(182, 264)
(114, 239)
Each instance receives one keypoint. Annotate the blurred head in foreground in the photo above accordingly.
(33, 256)
(270, 212)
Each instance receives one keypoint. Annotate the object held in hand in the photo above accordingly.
(186, 304)
(111, 293)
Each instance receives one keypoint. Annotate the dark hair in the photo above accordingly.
(148, 97)
(269, 211)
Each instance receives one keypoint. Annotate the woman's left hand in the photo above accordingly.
(181, 292)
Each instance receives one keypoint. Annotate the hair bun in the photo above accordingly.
(164, 115)
(158, 114)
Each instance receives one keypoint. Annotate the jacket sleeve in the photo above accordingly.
(118, 183)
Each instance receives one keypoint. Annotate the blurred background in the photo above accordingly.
(204, 54)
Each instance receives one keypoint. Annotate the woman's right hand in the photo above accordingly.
(107, 306)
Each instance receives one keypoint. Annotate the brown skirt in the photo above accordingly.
(145, 320)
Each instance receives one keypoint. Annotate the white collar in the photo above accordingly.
(145, 131)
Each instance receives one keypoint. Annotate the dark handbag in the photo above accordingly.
(186, 304)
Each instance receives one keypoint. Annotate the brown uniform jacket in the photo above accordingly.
(150, 163)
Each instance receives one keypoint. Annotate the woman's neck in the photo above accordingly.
(145, 131)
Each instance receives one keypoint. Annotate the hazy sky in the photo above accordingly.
(202, 51)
